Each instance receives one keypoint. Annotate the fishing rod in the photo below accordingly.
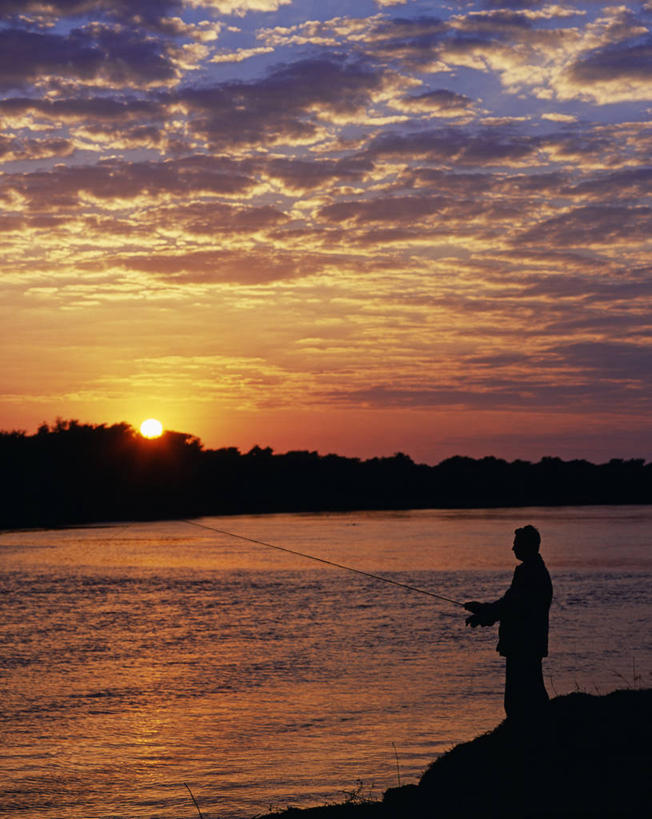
(323, 560)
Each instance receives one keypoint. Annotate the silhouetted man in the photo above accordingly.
(523, 632)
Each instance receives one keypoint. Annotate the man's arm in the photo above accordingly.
(484, 614)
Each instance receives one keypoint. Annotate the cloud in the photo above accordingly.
(150, 14)
(240, 54)
(626, 184)
(514, 394)
(440, 102)
(610, 359)
(606, 321)
(394, 397)
(110, 109)
(140, 12)
(213, 218)
(123, 181)
(457, 146)
(615, 72)
(592, 225)
(12, 149)
(378, 38)
(94, 55)
(413, 42)
(285, 105)
(398, 177)
(595, 146)
(588, 374)
(538, 47)
(554, 116)
(308, 174)
(238, 7)
(513, 4)
(621, 290)
(223, 265)
(385, 209)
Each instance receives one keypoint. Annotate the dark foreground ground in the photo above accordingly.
(595, 760)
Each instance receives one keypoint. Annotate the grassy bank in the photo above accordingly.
(592, 759)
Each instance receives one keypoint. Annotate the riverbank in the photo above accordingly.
(594, 760)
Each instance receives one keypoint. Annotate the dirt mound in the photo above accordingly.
(591, 757)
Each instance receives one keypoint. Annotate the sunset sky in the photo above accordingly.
(357, 227)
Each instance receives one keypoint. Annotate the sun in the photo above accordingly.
(151, 428)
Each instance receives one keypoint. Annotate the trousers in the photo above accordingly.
(525, 693)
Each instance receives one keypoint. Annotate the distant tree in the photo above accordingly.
(71, 472)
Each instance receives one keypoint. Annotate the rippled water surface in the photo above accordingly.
(136, 658)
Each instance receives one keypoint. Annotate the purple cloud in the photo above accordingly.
(221, 264)
(282, 105)
(610, 359)
(139, 12)
(85, 109)
(629, 60)
(304, 174)
(592, 224)
(459, 146)
(95, 54)
(62, 186)
(440, 100)
(495, 393)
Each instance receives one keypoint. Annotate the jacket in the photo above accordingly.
(522, 611)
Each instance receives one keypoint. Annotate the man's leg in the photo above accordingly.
(525, 693)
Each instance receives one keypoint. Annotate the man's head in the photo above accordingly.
(526, 542)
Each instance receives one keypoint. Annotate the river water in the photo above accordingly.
(137, 658)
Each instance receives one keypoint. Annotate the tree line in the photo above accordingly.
(72, 473)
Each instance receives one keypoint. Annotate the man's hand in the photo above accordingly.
(475, 608)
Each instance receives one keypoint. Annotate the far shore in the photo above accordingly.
(80, 474)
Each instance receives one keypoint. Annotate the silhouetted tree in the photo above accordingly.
(70, 472)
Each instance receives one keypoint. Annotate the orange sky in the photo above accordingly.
(419, 226)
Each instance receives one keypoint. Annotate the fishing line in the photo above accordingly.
(323, 560)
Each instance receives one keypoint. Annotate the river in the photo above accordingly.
(136, 658)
